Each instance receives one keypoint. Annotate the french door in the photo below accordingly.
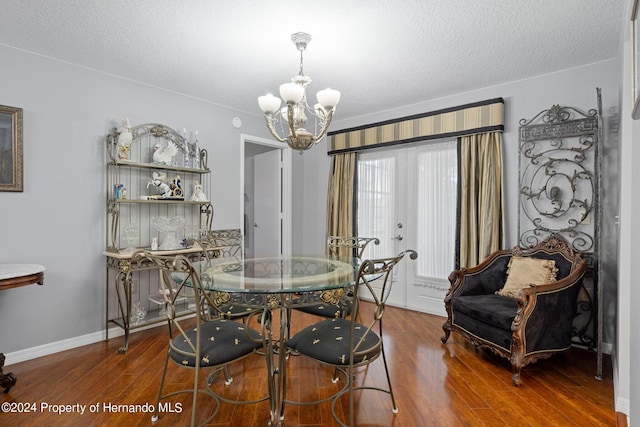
(408, 199)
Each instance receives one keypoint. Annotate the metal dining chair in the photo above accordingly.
(212, 344)
(229, 244)
(346, 344)
(338, 246)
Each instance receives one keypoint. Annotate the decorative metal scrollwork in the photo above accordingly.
(218, 298)
(332, 296)
(157, 131)
(557, 179)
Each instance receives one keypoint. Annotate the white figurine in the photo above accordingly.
(164, 156)
(159, 181)
(198, 195)
(154, 244)
(124, 140)
(171, 190)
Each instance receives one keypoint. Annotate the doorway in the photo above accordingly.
(265, 203)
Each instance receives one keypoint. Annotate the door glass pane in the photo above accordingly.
(436, 200)
(376, 207)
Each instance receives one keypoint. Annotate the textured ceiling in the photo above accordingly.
(379, 54)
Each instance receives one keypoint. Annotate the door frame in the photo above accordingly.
(287, 179)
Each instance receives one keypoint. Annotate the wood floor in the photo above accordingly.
(435, 385)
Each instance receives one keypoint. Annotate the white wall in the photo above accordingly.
(59, 219)
(626, 373)
(626, 252)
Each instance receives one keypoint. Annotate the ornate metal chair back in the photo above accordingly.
(349, 246)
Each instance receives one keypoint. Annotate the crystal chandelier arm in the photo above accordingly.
(326, 121)
(269, 118)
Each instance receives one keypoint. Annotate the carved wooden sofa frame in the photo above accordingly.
(534, 325)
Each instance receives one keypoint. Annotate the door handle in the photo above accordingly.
(398, 237)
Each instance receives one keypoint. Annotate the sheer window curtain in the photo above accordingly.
(481, 216)
(375, 200)
(435, 206)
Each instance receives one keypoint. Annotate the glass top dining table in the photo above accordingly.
(278, 275)
(282, 283)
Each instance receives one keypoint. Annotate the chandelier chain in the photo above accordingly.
(301, 73)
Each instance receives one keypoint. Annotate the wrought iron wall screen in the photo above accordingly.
(559, 194)
(557, 177)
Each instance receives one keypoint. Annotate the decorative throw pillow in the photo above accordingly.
(522, 271)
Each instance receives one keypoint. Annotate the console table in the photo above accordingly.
(14, 276)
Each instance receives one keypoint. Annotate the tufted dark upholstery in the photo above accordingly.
(535, 324)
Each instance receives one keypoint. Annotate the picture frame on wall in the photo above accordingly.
(635, 57)
(10, 148)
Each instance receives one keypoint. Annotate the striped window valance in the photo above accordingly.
(478, 117)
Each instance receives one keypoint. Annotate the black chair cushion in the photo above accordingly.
(491, 309)
(222, 341)
(239, 306)
(328, 342)
(232, 311)
(324, 309)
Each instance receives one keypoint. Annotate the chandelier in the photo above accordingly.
(297, 108)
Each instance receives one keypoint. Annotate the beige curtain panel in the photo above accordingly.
(340, 197)
(481, 197)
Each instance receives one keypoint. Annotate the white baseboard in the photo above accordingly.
(623, 406)
(622, 403)
(68, 344)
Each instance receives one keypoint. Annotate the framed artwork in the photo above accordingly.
(10, 148)
(635, 57)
